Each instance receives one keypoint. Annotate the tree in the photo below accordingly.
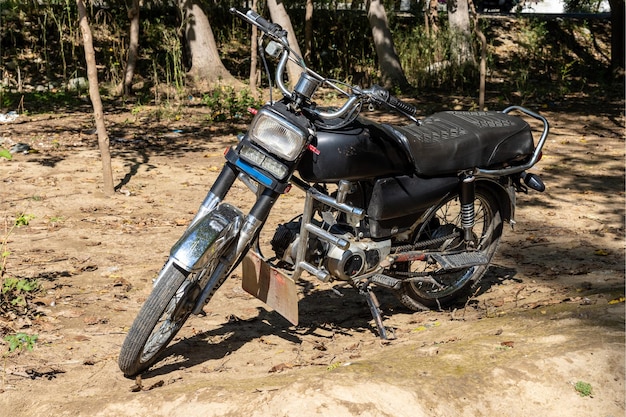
(206, 65)
(432, 17)
(388, 61)
(618, 33)
(279, 15)
(254, 54)
(483, 56)
(133, 48)
(460, 41)
(96, 101)
(618, 25)
(308, 30)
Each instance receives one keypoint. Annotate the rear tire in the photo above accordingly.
(458, 284)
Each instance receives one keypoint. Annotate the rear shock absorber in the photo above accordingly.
(468, 216)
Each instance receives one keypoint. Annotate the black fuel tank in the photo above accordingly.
(359, 151)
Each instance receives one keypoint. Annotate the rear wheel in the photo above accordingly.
(445, 221)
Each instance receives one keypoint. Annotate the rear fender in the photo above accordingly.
(505, 196)
(208, 233)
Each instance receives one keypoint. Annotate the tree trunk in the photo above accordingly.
(308, 30)
(133, 48)
(94, 94)
(433, 17)
(254, 54)
(390, 68)
(483, 57)
(618, 34)
(458, 16)
(206, 65)
(279, 15)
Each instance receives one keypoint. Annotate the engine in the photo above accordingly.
(362, 256)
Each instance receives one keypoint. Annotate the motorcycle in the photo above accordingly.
(417, 208)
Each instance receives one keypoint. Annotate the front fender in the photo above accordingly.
(198, 243)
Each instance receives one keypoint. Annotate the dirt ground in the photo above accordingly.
(549, 314)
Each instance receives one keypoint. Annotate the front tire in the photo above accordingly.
(456, 285)
(161, 317)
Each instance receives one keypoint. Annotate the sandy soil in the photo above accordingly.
(548, 315)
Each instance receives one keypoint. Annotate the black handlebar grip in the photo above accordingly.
(401, 105)
(383, 95)
(259, 20)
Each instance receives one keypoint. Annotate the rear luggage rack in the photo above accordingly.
(536, 154)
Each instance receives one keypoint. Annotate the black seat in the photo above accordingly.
(449, 142)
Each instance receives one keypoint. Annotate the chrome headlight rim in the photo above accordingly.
(277, 135)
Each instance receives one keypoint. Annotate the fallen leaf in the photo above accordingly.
(280, 367)
(157, 384)
(91, 321)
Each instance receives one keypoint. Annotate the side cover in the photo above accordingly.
(397, 202)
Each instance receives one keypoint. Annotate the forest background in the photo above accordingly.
(163, 51)
(42, 61)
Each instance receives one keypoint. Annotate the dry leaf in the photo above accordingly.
(280, 367)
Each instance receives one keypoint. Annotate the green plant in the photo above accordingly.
(4, 153)
(23, 219)
(15, 292)
(21, 341)
(583, 388)
(56, 219)
(226, 103)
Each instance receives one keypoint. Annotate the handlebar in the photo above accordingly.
(257, 19)
(374, 95)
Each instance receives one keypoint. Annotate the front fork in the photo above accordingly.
(255, 218)
(247, 230)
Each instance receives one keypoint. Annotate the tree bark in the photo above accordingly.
(458, 16)
(618, 34)
(96, 101)
(206, 64)
(388, 61)
(279, 15)
(254, 54)
(433, 17)
(133, 47)
(308, 30)
(483, 57)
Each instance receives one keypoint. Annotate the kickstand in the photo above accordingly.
(372, 302)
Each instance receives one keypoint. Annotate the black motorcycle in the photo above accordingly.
(416, 208)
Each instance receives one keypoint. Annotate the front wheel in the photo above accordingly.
(161, 317)
(445, 220)
(177, 291)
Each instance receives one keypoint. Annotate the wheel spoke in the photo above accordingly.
(446, 221)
